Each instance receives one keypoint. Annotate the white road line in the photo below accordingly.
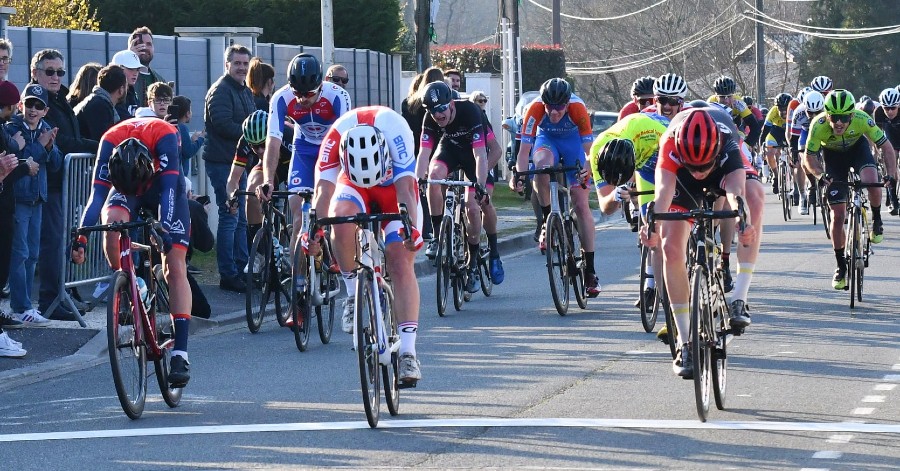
(827, 455)
(845, 427)
(863, 410)
(842, 438)
(885, 387)
(873, 399)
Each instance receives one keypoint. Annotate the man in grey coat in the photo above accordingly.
(228, 103)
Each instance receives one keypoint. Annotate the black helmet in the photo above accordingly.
(643, 86)
(130, 166)
(615, 162)
(698, 104)
(748, 100)
(556, 91)
(782, 100)
(724, 85)
(436, 95)
(304, 73)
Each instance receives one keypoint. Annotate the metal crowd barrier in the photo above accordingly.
(78, 177)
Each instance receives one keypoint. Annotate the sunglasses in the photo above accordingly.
(645, 102)
(669, 100)
(35, 104)
(439, 108)
(723, 97)
(307, 95)
(561, 107)
(889, 108)
(58, 73)
(840, 118)
(341, 80)
(482, 101)
(700, 169)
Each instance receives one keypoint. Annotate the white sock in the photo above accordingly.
(682, 313)
(742, 281)
(408, 332)
(349, 283)
(181, 353)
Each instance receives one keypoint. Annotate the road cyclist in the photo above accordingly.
(888, 119)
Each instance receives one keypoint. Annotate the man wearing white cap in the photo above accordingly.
(129, 61)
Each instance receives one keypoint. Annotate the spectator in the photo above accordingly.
(10, 172)
(479, 98)
(47, 70)
(30, 194)
(338, 74)
(141, 43)
(131, 65)
(85, 81)
(160, 96)
(228, 103)
(414, 113)
(97, 112)
(6, 50)
(454, 79)
(190, 142)
(261, 80)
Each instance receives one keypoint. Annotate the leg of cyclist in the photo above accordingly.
(869, 174)
(473, 234)
(400, 262)
(755, 194)
(726, 235)
(674, 237)
(254, 213)
(771, 152)
(544, 156)
(586, 233)
(437, 170)
(489, 212)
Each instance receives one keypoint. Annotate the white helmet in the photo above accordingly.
(670, 85)
(803, 92)
(364, 156)
(889, 97)
(814, 101)
(821, 84)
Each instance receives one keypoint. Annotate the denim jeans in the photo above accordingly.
(231, 235)
(26, 243)
(52, 237)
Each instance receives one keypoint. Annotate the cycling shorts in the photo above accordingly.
(567, 151)
(181, 220)
(302, 171)
(454, 158)
(837, 166)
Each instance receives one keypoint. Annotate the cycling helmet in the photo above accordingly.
(615, 162)
(748, 100)
(364, 156)
(802, 93)
(130, 166)
(839, 101)
(782, 100)
(435, 95)
(764, 111)
(697, 139)
(814, 101)
(304, 73)
(556, 91)
(864, 99)
(889, 97)
(700, 104)
(867, 106)
(255, 127)
(670, 85)
(821, 84)
(724, 85)
(642, 86)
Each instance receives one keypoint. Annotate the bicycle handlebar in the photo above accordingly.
(550, 171)
(123, 227)
(360, 219)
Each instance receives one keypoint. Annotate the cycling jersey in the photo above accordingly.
(773, 129)
(576, 122)
(891, 127)
(821, 136)
(644, 132)
(738, 109)
(244, 157)
(630, 108)
(467, 131)
(800, 121)
(165, 188)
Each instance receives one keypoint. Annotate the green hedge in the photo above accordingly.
(539, 63)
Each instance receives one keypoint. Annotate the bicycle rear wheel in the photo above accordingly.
(671, 328)
(556, 264)
(701, 328)
(825, 208)
(854, 263)
(576, 269)
(300, 304)
(260, 279)
(127, 352)
(784, 191)
(484, 268)
(389, 375)
(649, 310)
(165, 335)
(367, 347)
(444, 263)
(460, 248)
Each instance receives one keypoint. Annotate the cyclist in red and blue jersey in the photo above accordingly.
(558, 127)
(641, 97)
(312, 106)
(367, 165)
(139, 160)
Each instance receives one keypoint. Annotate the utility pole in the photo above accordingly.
(327, 34)
(557, 36)
(423, 35)
(760, 59)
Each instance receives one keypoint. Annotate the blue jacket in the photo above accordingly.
(33, 189)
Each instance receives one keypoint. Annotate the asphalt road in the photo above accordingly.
(508, 383)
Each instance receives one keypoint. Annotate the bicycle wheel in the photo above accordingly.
(825, 208)
(325, 313)
(444, 263)
(854, 262)
(300, 305)
(367, 347)
(259, 278)
(575, 267)
(165, 340)
(389, 375)
(460, 249)
(556, 263)
(283, 275)
(719, 363)
(649, 310)
(127, 352)
(671, 329)
(784, 191)
(814, 203)
(484, 268)
(701, 335)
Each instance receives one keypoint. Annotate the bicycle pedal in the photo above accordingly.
(737, 332)
(407, 384)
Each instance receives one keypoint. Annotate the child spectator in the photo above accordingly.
(30, 193)
(159, 97)
(190, 142)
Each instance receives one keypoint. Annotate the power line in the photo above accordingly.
(599, 19)
(847, 33)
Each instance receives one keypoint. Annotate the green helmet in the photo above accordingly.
(839, 101)
(256, 127)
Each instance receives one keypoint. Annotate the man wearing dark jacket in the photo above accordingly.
(228, 103)
(97, 112)
(47, 69)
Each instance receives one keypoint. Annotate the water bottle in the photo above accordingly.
(144, 293)
(277, 249)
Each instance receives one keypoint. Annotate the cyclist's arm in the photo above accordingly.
(277, 113)
(408, 194)
(238, 165)
(533, 115)
(734, 184)
(100, 187)
(427, 141)
(751, 122)
(494, 151)
(327, 170)
(811, 163)
(890, 158)
(170, 177)
(665, 185)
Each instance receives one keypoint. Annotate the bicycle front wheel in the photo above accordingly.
(300, 305)
(784, 191)
(556, 263)
(259, 278)
(444, 263)
(461, 269)
(127, 352)
(325, 313)
(855, 262)
(389, 375)
(484, 269)
(719, 362)
(701, 336)
(826, 210)
(576, 268)
(649, 307)
(367, 347)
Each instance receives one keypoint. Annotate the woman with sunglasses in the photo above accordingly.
(888, 119)
(838, 135)
(703, 152)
